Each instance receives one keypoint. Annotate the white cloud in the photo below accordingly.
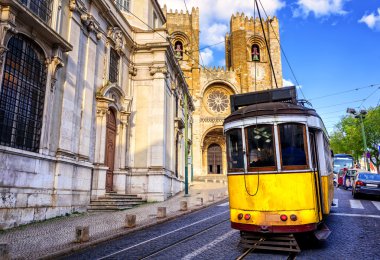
(215, 16)
(207, 57)
(319, 8)
(215, 34)
(287, 83)
(372, 20)
(222, 9)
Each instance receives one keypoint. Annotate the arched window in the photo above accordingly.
(255, 52)
(178, 49)
(22, 94)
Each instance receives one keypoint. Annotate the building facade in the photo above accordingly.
(247, 69)
(92, 100)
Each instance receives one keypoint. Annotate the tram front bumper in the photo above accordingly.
(274, 229)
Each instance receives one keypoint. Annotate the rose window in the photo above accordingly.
(218, 101)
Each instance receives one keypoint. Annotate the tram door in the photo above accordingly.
(315, 168)
(214, 159)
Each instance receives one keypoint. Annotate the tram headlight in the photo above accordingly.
(293, 217)
(247, 217)
(240, 216)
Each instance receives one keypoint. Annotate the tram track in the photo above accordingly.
(291, 256)
(172, 244)
(184, 239)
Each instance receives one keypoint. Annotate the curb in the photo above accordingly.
(73, 247)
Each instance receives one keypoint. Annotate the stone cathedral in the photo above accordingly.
(247, 69)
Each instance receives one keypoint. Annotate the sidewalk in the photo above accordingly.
(51, 238)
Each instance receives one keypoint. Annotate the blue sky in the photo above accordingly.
(333, 47)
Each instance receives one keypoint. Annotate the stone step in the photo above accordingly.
(118, 197)
(112, 201)
(115, 203)
(107, 208)
(120, 200)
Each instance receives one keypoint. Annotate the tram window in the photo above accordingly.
(293, 149)
(327, 153)
(260, 147)
(235, 156)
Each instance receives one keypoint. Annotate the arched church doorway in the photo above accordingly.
(110, 149)
(214, 159)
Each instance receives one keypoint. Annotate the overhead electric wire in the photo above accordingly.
(347, 91)
(370, 95)
(341, 104)
(266, 43)
(207, 46)
(283, 52)
(192, 32)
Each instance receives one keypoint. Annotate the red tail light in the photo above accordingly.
(240, 216)
(247, 217)
(284, 217)
(359, 183)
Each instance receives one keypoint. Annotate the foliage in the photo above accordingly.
(348, 136)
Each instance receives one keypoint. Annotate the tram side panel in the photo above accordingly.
(327, 176)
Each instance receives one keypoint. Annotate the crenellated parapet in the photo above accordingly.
(240, 21)
(182, 18)
(216, 70)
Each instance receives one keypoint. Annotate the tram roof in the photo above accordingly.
(270, 109)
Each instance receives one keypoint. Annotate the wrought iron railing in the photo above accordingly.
(42, 8)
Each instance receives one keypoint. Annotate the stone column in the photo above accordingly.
(99, 175)
(120, 175)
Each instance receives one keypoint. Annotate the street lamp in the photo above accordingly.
(361, 114)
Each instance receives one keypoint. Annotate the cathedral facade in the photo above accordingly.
(248, 68)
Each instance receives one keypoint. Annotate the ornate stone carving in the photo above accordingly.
(56, 64)
(132, 70)
(124, 117)
(86, 18)
(3, 51)
(116, 35)
(218, 101)
(72, 5)
(154, 70)
(214, 120)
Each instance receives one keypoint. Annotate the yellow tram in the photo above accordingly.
(280, 176)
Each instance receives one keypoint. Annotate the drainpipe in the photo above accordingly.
(192, 145)
(186, 149)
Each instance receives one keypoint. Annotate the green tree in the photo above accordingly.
(372, 129)
(348, 138)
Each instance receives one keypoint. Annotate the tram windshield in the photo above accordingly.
(235, 154)
(292, 138)
(260, 146)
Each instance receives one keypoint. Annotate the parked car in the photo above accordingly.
(366, 183)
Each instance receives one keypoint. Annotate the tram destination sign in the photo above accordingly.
(285, 94)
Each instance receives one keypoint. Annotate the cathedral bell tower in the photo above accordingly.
(248, 55)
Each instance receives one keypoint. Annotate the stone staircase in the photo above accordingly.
(113, 202)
